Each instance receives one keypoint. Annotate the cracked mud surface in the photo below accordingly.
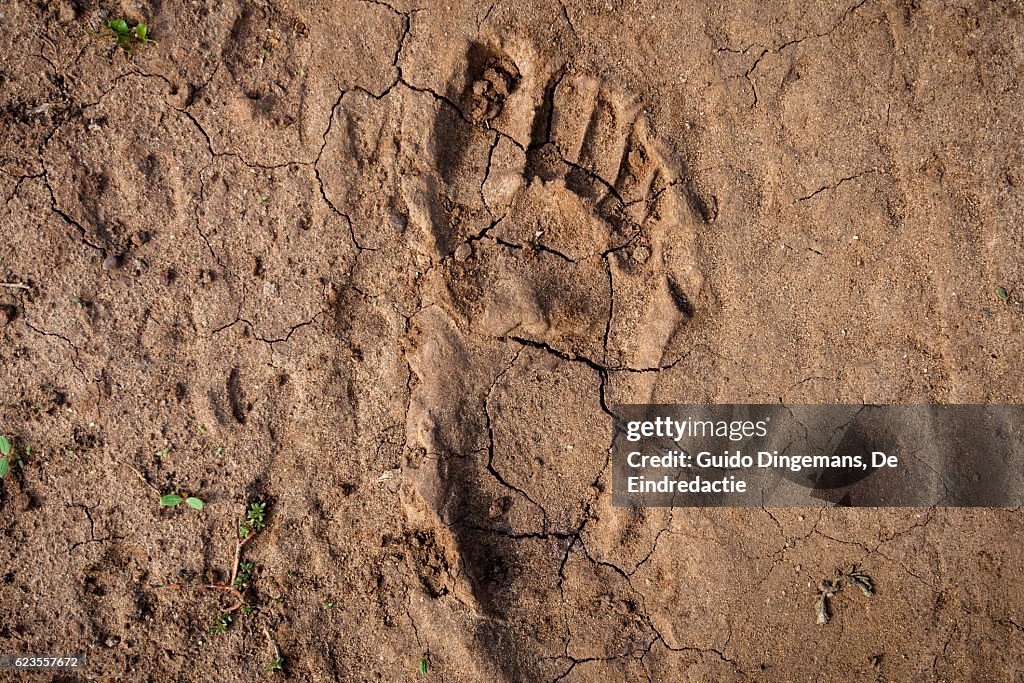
(398, 260)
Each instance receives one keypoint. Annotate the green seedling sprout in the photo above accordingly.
(253, 521)
(245, 570)
(126, 37)
(175, 499)
(8, 454)
(5, 461)
(220, 623)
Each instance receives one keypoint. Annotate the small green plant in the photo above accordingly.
(6, 455)
(275, 665)
(254, 520)
(220, 623)
(1001, 293)
(329, 605)
(5, 451)
(263, 199)
(9, 454)
(174, 499)
(245, 570)
(241, 572)
(424, 666)
(127, 37)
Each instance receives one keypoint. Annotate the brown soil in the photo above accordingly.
(385, 267)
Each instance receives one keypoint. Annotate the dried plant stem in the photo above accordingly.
(273, 644)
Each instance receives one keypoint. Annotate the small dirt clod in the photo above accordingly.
(111, 262)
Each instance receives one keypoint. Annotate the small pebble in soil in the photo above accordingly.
(111, 262)
(398, 221)
(463, 252)
(166, 277)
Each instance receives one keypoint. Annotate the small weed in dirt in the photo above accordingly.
(254, 521)
(277, 663)
(1002, 294)
(220, 623)
(263, 200)
(828, 588)
(245, 570)
(127, 37)
(241, 572)
(8, 455)
(424, 666)
(174, 499)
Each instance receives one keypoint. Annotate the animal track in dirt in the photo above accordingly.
(562, 248)
(227, 401)
(579, 236)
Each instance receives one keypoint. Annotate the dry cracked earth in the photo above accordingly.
(386, 266)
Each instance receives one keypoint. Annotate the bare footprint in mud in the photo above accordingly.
(561, 249)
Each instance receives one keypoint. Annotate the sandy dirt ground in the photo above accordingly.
(384, 267)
